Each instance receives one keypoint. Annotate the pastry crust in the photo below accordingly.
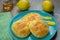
(20, 29)
(38, 28)
(32, 16)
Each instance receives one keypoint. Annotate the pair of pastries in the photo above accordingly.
(31, 22)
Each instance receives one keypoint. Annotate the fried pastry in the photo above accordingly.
(20, 29)
(38, 28)
(32, 16)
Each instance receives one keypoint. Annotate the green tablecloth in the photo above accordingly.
(5, 18)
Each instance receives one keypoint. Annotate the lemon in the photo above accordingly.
(23, 4)
(48, 6)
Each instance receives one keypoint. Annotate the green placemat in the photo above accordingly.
(5, 18)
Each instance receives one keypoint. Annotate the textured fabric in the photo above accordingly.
(5, 18)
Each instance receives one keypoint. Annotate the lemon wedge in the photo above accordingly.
(48, 18)
(51, 23)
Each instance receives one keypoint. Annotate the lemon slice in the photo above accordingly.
(48, 18)
(51, 23)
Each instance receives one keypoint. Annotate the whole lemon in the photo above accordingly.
(23, 4)
(48, 6)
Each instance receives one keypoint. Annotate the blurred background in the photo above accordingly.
(35, 5)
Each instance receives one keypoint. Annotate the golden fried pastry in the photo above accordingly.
(32, 16)
(31, 22)
(20, 29)
(38, 28)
